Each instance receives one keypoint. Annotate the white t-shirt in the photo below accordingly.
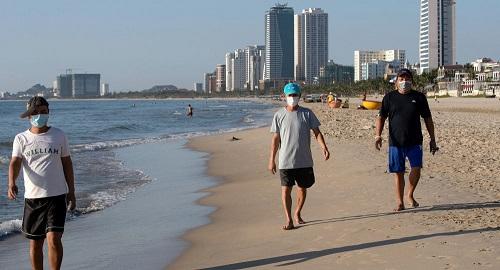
(42, 166)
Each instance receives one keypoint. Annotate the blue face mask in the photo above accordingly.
(39, 120)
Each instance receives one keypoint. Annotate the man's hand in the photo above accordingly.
(433, 147)
(12, 192)
(71, 201)
(378, 142)
(272, 166)
(326, 153)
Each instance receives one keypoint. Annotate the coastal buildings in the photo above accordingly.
(395, 57)
(255, 62)
(210, 82)
(279, 25)
(334, 73)
(437, 34)
(310, 43)
(220, 78)
(78, 85)
(198, 87)
(104, 89)
(238, 76)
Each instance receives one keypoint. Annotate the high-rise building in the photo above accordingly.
(279, 43)
(336, 73)
(229, 71)
(78, 85)
(437, 34)
(361, 57)
(255, 60)
(104, 89)
(220, 73)
(198, 87)
(239, 70)
(64, 86)
(210, 82)
(86, 85)
(310, 43)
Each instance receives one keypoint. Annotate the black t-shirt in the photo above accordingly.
(404, 112)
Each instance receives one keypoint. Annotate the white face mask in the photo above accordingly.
(404, 86)
(292, 101)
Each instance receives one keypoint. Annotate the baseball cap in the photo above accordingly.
(405, 72)
(32, 104)
(291, 88)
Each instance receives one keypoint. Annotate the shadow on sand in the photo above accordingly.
(439, 207)
(301, 257)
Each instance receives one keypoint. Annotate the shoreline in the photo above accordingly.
(451, 218)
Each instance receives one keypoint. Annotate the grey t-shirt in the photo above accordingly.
(295, 133)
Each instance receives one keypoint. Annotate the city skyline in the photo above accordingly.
(137, 45)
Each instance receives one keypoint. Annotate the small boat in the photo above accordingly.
(335, 104)
(371, 104)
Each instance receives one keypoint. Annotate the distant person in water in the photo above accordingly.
(291, 128)
(189, 111)
(43, 153)
(404, 107)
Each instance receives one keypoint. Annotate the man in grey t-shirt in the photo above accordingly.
(291, 128)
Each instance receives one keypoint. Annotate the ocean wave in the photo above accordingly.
(248, 119)
(218, 106)
(10, 227)
(105, 145)
(4, 160)
(118, 128)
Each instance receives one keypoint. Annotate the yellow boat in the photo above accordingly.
(371, 104)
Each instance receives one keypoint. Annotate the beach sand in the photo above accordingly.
(351, 224)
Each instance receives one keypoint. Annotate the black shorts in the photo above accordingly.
(303, 176)
(44, 215)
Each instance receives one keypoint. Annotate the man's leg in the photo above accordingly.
(301, 199)
(414, 177)
(55, 249)
(400, 189)
(286, 198)
(36, 254)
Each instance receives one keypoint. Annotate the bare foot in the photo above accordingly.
(299, 219)
(288, 226)
(400, 207)
(413, 203)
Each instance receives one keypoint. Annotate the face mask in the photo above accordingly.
(405, 86)
(292, 101)
(39, 120)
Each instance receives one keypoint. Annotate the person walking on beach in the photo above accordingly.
(43, 153)
(404, 107)
(291, 128)
(189, 111)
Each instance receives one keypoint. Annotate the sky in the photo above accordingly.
(137, 44)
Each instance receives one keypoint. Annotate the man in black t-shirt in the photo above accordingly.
(404, 107)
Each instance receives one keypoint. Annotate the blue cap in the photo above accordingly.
(291, 88)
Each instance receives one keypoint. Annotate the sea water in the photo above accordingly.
(96, 129)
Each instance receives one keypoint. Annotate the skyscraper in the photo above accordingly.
(437, 34)
(311, 44)
(279, 43)
(239, 70)
(220, 73)
(255, 59)
(229, 71)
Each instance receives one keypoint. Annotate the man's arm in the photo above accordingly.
(379, 127)
(321, 141)
(70, 180)
(275, 143)
(429, 124)
(14, 168)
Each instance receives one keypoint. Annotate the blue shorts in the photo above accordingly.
(398, 155)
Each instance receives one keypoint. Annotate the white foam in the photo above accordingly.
(4, 160)
(10, 226)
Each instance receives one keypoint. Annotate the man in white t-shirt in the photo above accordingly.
(43, 153)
